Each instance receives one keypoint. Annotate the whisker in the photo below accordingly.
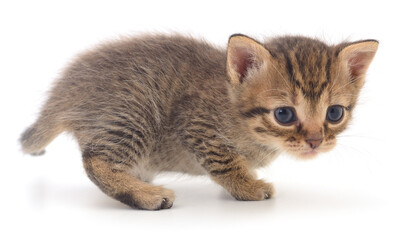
(359, 136)
(360, 151)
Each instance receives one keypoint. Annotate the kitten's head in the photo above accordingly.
(296, 93)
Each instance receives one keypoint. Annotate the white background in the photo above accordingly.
(364, 189)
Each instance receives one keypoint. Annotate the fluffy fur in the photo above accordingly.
(155, 103)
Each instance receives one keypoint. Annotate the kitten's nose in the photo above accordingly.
(314, 142)
(314, 139)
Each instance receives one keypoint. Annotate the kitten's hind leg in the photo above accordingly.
(113, 178)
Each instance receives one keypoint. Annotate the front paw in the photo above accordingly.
(254, 190)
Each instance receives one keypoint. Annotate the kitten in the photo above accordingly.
(149, 104)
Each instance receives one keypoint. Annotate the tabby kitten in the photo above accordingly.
(149, 104)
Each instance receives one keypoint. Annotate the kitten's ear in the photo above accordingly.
(357, 56)
(245, 56)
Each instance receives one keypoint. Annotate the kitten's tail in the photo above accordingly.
(39, 135)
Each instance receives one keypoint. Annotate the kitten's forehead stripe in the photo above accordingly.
(308, 63)
(279, 52)
(328, 67)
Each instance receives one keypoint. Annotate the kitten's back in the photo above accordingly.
(131, 82)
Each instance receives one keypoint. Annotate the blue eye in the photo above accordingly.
(285, 115)
(335, 113)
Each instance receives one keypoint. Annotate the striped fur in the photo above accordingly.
(143, 105)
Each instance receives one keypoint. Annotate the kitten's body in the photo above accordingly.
(144, 105)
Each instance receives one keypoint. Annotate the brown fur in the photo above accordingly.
(155, 103)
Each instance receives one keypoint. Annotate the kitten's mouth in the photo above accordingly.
(309, 154)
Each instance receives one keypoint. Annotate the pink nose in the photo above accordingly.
(314, 143)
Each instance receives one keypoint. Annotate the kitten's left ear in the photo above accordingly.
(358, 56)
(245, 56)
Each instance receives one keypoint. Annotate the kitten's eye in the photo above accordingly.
(285, 115)
(335, 113)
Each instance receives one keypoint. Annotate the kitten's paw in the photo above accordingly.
(255, 190)
(155, 198)
(163, 199)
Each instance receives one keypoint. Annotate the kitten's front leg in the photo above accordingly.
(236, 178)
(225, 166)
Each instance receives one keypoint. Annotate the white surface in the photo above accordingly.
(364, 189)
